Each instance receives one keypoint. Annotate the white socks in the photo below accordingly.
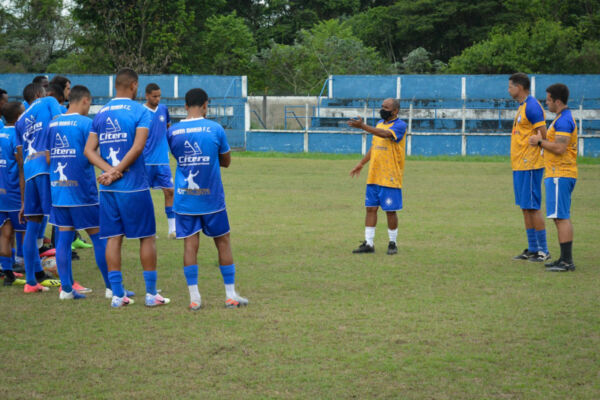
(369, 234)
(194, 293)
(393, 234)
(40, 243)
(171, 222)
(230, 291)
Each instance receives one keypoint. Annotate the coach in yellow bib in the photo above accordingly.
(384, 182)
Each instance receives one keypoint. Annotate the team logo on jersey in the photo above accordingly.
(61, 142)
(192, 186)
(61, 147)
(62, 177)
(192, 155)
(162, 118)
(113, 132)
(112, 156)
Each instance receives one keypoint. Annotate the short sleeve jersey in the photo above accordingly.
(386, 166)
(10, 191)
(530, 116)
(72, 177)
(156, 151)
(562, 165)
(196, 144)
(115, 125)
(32, 128)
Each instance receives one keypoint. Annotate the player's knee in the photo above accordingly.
(372, 210)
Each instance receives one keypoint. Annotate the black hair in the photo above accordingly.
(57, 92)
(11, 111)
(151, 87)
(79, 92)
(125, 77)
(559, 91)
(39, 79)
(522, 79)
(60, 81)
(196, 97)
(32, 90)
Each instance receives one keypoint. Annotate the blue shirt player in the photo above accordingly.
(32, 146)
(74, 191)
(11, 179)
(120, 130)
(200, 148)
(156, 152)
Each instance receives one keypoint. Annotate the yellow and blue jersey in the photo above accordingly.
(530, 116)
(386, 165)
(562, 165)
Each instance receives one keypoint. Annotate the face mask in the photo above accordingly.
(385, 114)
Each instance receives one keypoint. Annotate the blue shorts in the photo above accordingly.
(127, 213)
(159, 176)
(38, 200)
(80, 217)
(13, 217)
(528, 188)
(390, 199)
(558, 197)
(212, 225)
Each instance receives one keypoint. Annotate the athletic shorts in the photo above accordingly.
(528, 188)
(159, 176)
(13, 217)
(38, 200)
(81, 217)
(558, 197)
(127, 213)
(212, 225)
(389, 199)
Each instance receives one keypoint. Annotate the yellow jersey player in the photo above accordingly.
(384, 181)
(560, 160)
(528, 166)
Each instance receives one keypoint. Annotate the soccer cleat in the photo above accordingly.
(236, 301)
(73, 295)
(195, 305)
(539, 256)
(109, 293)
(47, 251)
(19, 282)
(364, 248)
(392, 248)
(9, 278)
(80, 244)
(34, 289)
(80, 288)
(48, 281)
(120, 301)
(19, 267)
(525, 255)
(560, 266)
(153, 300)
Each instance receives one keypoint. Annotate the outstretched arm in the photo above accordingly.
(359, 123)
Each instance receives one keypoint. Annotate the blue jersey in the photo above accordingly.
(72, 177)
(156, 151)
(1, 122)
(63, 109)
(32, 128)
(115, 126)
(196, 144)
(10, 190)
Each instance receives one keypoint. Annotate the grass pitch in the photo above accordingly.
(449, 317)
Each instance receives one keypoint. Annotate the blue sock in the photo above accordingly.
(63, 259)
(150, 279)
(169, 212)
(42, 230)
(191, 274)
(228, 272)
(100, 254)
(6, 263)
(30, 252)
(532, 240)
(19, 240)
(116, 283)
(541, 239)
(12, 257)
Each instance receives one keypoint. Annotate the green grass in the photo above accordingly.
(450, 317)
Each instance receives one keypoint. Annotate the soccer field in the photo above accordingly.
(451, 316)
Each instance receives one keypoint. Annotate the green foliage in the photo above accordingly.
(544, 47)
(419, 61)
(328, 48)
(142, 34)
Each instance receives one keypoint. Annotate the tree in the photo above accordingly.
(143, 34)
(328, 48)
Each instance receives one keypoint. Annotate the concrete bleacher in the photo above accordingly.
(228, 96)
